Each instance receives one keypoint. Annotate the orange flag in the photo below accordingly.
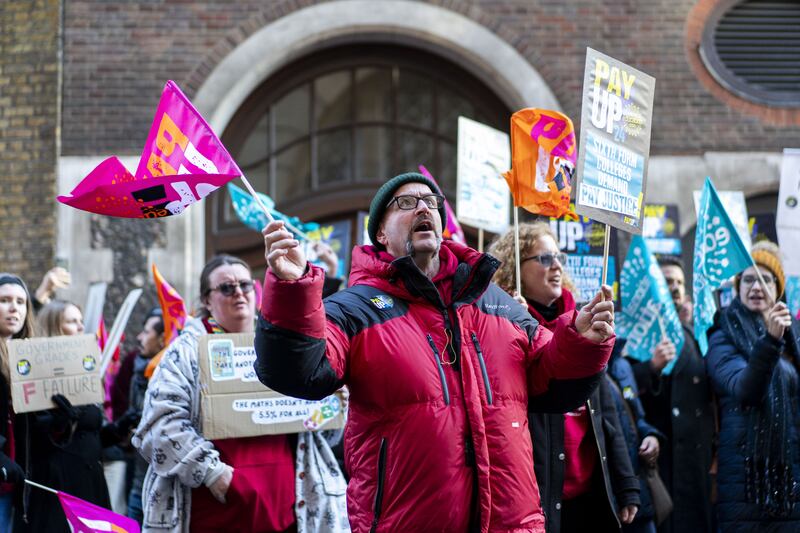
(173, 311)
(543, 157)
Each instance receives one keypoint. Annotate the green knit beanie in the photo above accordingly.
(385, 194)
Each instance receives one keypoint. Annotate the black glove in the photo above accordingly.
(117, 431)
(65, 407)
(10, 471)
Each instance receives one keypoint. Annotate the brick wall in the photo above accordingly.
(119, 54)
(28, 118)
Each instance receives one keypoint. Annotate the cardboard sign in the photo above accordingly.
(582, 241)
(482, 196)
(235, 404)
(615, 142)
(42, 367)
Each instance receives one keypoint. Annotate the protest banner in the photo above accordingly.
(93, 309)
(793, 295)
(543, 157)
(616, 120)
(235, 404)
(337, 236)
(118, 328)
(43, 366)
(481, 193)
(719, 254)
(648, 314)
(736, 208)
(583, 241)
(661, 229)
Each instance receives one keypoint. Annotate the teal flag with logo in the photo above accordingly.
(719, 254)
(251, 215)
(648, 314)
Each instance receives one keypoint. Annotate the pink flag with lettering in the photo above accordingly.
(183, 162)
(453, 229)
(85, 517)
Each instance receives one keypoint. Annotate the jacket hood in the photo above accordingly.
(381, 270)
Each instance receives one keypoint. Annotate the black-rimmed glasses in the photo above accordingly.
(407, 202)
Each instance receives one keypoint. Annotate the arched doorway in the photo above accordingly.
(321, 134)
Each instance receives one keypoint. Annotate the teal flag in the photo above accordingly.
(648, 314)
(251, 215)
(793, 295)
(719, 254)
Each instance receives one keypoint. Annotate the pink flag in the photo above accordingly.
(85, 517)
(183, 162)
(453, 229)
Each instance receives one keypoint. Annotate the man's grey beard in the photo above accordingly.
(410, 251)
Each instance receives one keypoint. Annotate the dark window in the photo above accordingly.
(752, 48)
(321, 135)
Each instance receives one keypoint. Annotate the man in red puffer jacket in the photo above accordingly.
(442, 366)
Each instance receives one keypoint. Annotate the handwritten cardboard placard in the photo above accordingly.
(235, 404)
(42, 367)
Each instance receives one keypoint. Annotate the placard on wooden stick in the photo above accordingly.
(42, 367)
(615, 142)
(235, 404)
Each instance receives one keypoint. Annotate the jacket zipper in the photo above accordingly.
(603, 464)
(379, 491)
(483, 368)
(438, 361)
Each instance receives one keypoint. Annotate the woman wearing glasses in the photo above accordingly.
(753, 363)
(194, 484)
(581, 460)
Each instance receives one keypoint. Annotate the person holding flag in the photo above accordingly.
(443, 367)
(754, 364)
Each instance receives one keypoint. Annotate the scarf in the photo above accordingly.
(768, 447)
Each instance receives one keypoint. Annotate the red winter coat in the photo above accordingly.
(422, 434)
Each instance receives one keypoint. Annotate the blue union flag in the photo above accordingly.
(719, 254)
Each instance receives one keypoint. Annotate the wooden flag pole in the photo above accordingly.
(763, 285)
(516, 250)
(663, 329)
(606, 247)
(264, 208)
(480, 240)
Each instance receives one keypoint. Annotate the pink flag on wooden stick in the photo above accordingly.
(183, 162)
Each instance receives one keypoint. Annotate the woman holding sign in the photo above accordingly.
(194, 484)
(754, 363)
(16, 322)
(62, 448)
(581, 459)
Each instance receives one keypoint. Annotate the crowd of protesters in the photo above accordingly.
(472, 407)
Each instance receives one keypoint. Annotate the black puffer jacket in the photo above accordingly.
(680, 405)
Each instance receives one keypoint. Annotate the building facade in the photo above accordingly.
(321, 101)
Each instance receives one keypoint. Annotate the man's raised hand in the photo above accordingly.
(283, 252)
(595, 321)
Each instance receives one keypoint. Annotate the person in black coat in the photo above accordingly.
(643, 440)
(680, 405)
(752, 360)
(61, 448)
